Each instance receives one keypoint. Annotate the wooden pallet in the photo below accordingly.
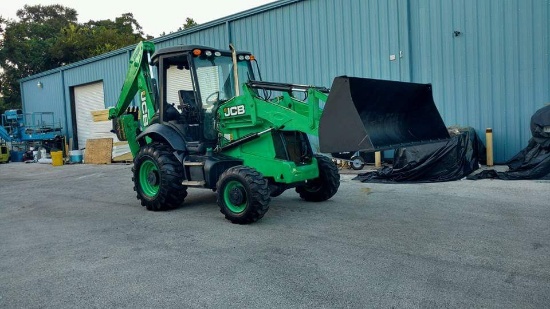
(98, 151)
(125, 158)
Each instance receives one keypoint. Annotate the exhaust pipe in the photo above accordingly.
(235, 69)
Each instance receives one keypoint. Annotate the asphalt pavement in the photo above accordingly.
(75, 236)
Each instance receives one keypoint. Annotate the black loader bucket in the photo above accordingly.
(363, 114)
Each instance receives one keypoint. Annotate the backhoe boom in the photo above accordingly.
(138, 79)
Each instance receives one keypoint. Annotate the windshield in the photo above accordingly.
(215, 78)
(216, 84)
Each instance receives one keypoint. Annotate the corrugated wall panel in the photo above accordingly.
(495, 73)
(49, 98)
(214, 37)
(313, 41)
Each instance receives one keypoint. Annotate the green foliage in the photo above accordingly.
(49, 36)
(24, 45)
(3, 107)
(81, 41)
(9, 87)
(189, 22)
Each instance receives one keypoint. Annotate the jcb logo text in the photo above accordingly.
(234, 110)
(144, 111)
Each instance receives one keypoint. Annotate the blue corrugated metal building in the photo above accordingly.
(488, 60)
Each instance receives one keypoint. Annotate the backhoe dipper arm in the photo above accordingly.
(138, 78)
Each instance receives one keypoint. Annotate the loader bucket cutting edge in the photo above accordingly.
(363, 114)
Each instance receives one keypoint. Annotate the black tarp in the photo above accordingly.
(436, 162)
(532, 162)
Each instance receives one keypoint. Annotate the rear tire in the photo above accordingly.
(323, 187)
(157, 177)
(243, 195)
(357, 163)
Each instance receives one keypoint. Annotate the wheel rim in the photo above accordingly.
(149, 179)
(234, 196)
(357, 163)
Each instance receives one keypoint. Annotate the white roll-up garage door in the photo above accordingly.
(90, 98)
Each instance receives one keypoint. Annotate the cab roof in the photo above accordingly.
(188, 49)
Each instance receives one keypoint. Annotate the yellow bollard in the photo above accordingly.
(377, 159)
(489, 146)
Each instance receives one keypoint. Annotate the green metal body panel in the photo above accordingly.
(284, 112)
(248, 114)
(282, 171)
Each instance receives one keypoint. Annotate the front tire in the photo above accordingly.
(323, 187)
(243, 195)
(157, 177)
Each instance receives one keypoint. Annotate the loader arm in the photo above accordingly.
(138, 80)
(282, 112)
(358, 114)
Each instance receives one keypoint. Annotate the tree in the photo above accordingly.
(9, 87)
(189, 22)
(47, 37)
(3, 107)
(24, 45)
(82, 41)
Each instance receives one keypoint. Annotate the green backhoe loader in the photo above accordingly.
(204, 121)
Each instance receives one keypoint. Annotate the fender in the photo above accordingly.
(159, 132)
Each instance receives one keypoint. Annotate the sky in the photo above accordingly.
(155, 17)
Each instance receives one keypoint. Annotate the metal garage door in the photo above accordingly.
(90, 98)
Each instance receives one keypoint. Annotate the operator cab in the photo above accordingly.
(194, 81)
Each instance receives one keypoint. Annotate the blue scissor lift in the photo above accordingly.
(24, 130)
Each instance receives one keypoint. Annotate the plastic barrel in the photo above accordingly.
(75, 156)
(57, 158)
(17, 156)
